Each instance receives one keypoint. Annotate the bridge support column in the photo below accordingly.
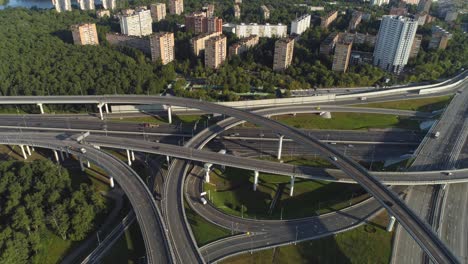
(326, 115)
(111, 182)
(255, 180)
(168, 160)
(56, 156)
(88, 164)
(391, 223)
(133, 155)
(82, 165)
(169, 114)
(291, 190)
(67, 154)
(280, 146)
(107, 108)
(128, 158)
(100, 105)
(32, 149)
(207, 171)
(22, 151)
(28, 150)
(41, 108)
(61, 155)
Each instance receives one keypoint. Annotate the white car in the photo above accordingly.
(203, 200)
(334, 158)
(83, 150)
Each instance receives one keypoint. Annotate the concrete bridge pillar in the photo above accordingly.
(280, 146)
(169, 114)
(207, 171)
(82, 165)
(88, 164)
(56, 156)
(100, 105)
(129, 158)
(391, 223)
(255, 180)
(107, 108)
(28, 150)
(22, 151)
(133, 155)
(111, 182)
(41, 108)
(326, 115)
(61, 155)
(291, 190)
(168, 160)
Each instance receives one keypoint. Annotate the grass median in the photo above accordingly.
(231, 191)
(369, 243)
(422, 105)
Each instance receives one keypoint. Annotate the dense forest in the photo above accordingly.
(38, 196)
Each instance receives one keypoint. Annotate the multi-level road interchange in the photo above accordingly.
(419, 230)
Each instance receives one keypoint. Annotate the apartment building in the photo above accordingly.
(243, 45)
(198, 42)
(325, 21)
(136, 23)
(176, 7)
(301, 24)
(263, 31)
(215, 51)
(162, 47)
(84, 34)
(158, 11)
(284, 49)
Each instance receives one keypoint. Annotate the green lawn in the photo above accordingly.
(348, 121)
(423, 105)
(231, 191)
(204, 232)
(53, 248)
(369, 243)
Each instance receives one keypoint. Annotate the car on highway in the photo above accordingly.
(437, 134)
(203, 200)
(448, 173)
(83, 150)
(334, 158)
(149, 125)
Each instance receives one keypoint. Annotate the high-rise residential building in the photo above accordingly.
(328, 44)
(421, 18)
(263, 31)
(209, 10)
(158, 11)
(237, 11)
(325, 21)
(138, 23)
(341, 57)
(176, 7)
(86, 4)
(109, 4)
(355, 20)
(237, 2)
(398, 11)
(62, 5)
(162, 47)
(394, 41)
(411, 2)
(140, 43)
(379, 2)
(439, 38)
(198, 42)
(301, 24)
(284, 49)
(424, 6)
(215, 51)
(265, 12)
(85, 34)
(416, 46)
(243, 45)
(102, 13)
(451, 16)
(199, 23)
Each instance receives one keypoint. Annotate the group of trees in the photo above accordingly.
(37, 196)
(38, 58)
